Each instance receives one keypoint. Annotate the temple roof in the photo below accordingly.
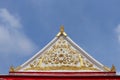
(62, 54)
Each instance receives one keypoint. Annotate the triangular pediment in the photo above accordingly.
(62, 54)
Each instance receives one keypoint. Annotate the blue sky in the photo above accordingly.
(26, 26)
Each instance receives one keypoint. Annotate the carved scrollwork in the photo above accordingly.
(61, 56)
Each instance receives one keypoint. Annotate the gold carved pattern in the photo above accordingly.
(63, 68)
(61, 56)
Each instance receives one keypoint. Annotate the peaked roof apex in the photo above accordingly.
(57, 54)
(61, 32)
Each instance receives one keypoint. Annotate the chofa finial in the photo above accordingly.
(61, 31)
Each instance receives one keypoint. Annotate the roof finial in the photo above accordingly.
(113, 69)
(12, 69)
(61, 31)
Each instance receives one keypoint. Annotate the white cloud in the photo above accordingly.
(12, 38)
(118, 32)
(8, 19)
(118, 73)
